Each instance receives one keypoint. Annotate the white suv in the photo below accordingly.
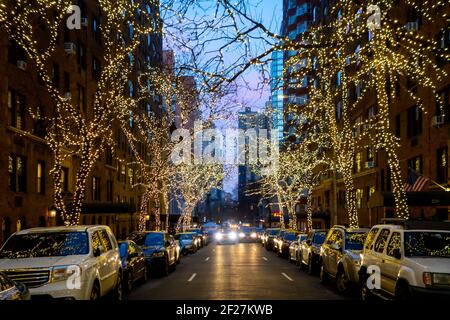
(413, 258)
(79, 262)
(339, 256)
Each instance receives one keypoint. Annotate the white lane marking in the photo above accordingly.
(207, 258)
(192, 277)
(287, 277)
(265, 258)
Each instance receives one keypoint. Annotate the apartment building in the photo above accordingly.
(26, 196)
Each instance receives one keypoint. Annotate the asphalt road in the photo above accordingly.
(235, 272)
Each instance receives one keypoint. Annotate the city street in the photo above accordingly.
(241, 271)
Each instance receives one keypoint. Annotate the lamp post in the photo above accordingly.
(51, 216)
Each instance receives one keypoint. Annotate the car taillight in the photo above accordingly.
(427, 278)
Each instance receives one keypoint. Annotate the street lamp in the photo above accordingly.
(51, 215)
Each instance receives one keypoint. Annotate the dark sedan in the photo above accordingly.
(11, 290)
(160, 250)
(248, 234)
(310, 250)
(285, 241)
(269, 236)
(133, 263)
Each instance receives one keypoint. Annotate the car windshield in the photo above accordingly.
(289, 236)
(184, 236)
(246, 230)
(273, 232)
(197, 231)
(45, 244)
(319, 237)
(138, 238)
(427, 244)
(154, 239)
(354, 240)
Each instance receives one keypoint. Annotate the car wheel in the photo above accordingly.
(298, 261)
(117, 293)
(129, 281)
(165, 267)
(366, 294)
(341, 281)
(145, 275)
(310, 265)
(402, 292)
(95, 292)
(323, 275)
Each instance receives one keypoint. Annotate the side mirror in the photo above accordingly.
(335, 246)
(308, 242)
(167, 243)
(397, 253)
(97, 252)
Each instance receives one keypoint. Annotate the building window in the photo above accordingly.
(131, 88)
(359, 198)
(414, 126)
(96, 30)
(443, 104)
(40, 177)
(96, 68)
(442, 165)
(371, 111)
(96, 188)
(109, 190)
(81, 100)
(17, 173)
(415, 164)
(358, 161)
(65, 179)
(55, 75)
(16, 107)
(109, 156)
(81, 55)
(339, 110)
(370, 154)
(130, 176)
(397, 126)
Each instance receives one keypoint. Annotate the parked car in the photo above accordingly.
(248, 234)
(133, 264)
(189, 242)
(339, 256)
(11, 290)
(269, 237)
(310, 250)
(202, 235)
(259, 233)
(285, 241)
(226, 236)
(78, 262)
(160, 250)
(294, 248)
(278, 240)
(413, 258)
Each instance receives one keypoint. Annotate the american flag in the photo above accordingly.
(415, 183)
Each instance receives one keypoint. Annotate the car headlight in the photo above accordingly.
(61, 273)
(158, 254)
(241, 235)
(232, 235)
(219, 236)
(253, 235)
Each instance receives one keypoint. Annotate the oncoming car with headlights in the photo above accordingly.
(79, 262)
(248, 234)
(226, 236)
